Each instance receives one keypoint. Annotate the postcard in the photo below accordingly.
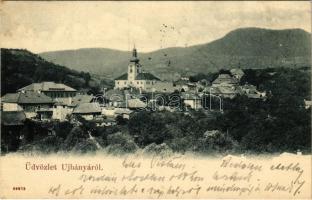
(155, 100)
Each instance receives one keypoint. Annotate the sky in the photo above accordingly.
(47, 26)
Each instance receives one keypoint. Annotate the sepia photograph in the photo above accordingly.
(146, 99)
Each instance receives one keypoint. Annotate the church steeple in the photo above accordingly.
(134, 55)
(134, 67)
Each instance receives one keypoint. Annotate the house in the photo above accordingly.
(164, 87)
(111, 112)
(225, 91)
(182, 84)
(136, 104)
(88, 111)
(191, 100)
(115, 97)
(224, 79)
(135, 77)
(124, 113)
(237, 73)
(252, 92)
(34, 104)
(57, 91)
(307, 104)
(61, 111)
(108, 122)
(185, 78)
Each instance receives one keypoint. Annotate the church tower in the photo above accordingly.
(134, 68)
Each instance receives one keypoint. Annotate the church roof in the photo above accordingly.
(122, 77)
(146, 76)
(140, 76)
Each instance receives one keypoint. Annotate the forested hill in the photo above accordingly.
(21, 67)
(244, 48)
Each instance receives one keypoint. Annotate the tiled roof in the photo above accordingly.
(225, 78)
(136, 103)
(223, 90)
(237, 71)
(10, 98)
(13, 118)
(122, 111)
(47, 86)
(87, 108)
(81, 98)
(27, 98)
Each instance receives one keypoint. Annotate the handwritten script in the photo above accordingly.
(158, 176)
(177, 177)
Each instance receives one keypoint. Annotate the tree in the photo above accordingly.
(147, 128)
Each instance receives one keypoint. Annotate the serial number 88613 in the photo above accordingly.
(19, 188)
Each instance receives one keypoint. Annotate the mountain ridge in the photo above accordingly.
(20, 67)
(244, 47)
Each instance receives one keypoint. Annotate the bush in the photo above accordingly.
(216, 141)
(120, 143)
(76, 136)
(49, 144)
(85, 146)
(162, 149)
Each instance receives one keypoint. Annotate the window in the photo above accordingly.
(137, 70)
(130, 70)
(147, 82)
(138, 82)
(118, 82)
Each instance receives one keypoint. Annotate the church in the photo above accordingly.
(135, 77)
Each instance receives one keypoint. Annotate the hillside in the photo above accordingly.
(21, 67)
(245, 48)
